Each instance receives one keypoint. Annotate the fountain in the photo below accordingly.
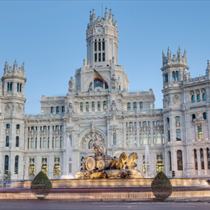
(147, 162)
(68, 161)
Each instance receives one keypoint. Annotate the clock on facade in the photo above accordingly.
(99, 30)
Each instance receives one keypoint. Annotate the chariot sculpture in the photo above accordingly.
(104, 166)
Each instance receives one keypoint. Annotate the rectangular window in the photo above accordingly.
(95, 57)
(200, 133)
(99, 57)
(93, 106)
(99, 45)
(99, 106)
(103, 56)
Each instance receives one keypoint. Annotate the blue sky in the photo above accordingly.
(50, 37)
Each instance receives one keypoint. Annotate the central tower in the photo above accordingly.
(102, 40)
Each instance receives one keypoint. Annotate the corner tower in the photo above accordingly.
(102, 40)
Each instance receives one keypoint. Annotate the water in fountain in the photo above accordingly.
(147, 161)
(68, 160)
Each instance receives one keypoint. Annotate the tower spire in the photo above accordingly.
(110, 14)
(93, 16)
(106, 14)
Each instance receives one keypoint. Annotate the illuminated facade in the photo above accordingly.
(177, 135)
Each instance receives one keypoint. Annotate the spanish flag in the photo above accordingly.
(98, 77)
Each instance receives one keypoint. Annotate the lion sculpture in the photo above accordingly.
(131, 161)
(119, 163)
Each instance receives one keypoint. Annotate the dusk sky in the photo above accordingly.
(50, 37)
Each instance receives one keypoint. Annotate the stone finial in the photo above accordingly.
(113, 17)
(106, 14)
(15, 65)
(94, 16)
(6, 65)
(207, 62)
(110, 14)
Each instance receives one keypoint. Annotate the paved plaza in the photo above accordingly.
(44, 205)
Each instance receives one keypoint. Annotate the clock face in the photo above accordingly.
(99, 30)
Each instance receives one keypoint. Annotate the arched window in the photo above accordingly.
(159, 166)
(57, 110)
(17, 126)
(134, 124)
(90, 86)
(8, 126)
(63, 109)
(140, 139)
(17, 141)
(169, 158)
(208, 158)
(177, 118)
(57, 127)
(10, 86)
(18, 87)
(178, 134)
(131, 139)
(130, 124)
(196, 160)
(95, 57)
(16, 164)
(141, 105)
(81, 107)
(114, 139)
(6, 163)
(52, 111)
(179, 160)
(129, 106)
(70, 137)
(192, 98)
(95, 45)
(44, 168)
(45, 128)
(144, 123)
(158, 138)
(169, 136)
(145, 138)
(7, 141)
(99, 106)
(44, 142)
(202, 159)
(200, 133)
(99, 56)
(90, 144)
(31, 170)
(98, 84)
(177, 76)
(57, 142)
(57, 169)
(134, 106)
(119, 87)
(104, 105)
(99, 45)
(140, 124)
(204, 116)
(158, 123)
(174, 76)
(103, 46)
(166, 78)
(204, 96)
(193, 117)
(87, 107)
(93, 106)
(198, 97)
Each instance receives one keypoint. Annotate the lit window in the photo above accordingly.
(179, 160)
(87, 107)
(145, 138)
(200, 133)
(158, 138)
(104, 105)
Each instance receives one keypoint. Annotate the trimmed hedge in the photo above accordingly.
(161, 186)
(41, 186)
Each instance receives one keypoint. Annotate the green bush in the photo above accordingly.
(161, 186)
(41, 186)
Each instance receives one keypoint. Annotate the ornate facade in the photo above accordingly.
(177, 135)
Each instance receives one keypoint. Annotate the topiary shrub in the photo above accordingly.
(161, 186)
(41, 186)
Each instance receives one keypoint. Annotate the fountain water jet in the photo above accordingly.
(147, 161)
(68, 161)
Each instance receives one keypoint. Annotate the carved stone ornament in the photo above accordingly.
(71, 85)
(70, 109)
(199, 116)
(191, 92)
(166, 100)
(114, 84)
(176, 99)
(114, 106)
(8, 108)
(203, 90)
(18, 108)
(197, 91)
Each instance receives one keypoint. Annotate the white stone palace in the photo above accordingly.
(177, 135)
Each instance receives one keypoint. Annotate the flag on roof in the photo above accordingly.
(98, 77)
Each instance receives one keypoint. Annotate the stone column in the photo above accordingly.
(199, 161)
(205, 162)
(26, 175)
(138, 137)
(51, 166)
